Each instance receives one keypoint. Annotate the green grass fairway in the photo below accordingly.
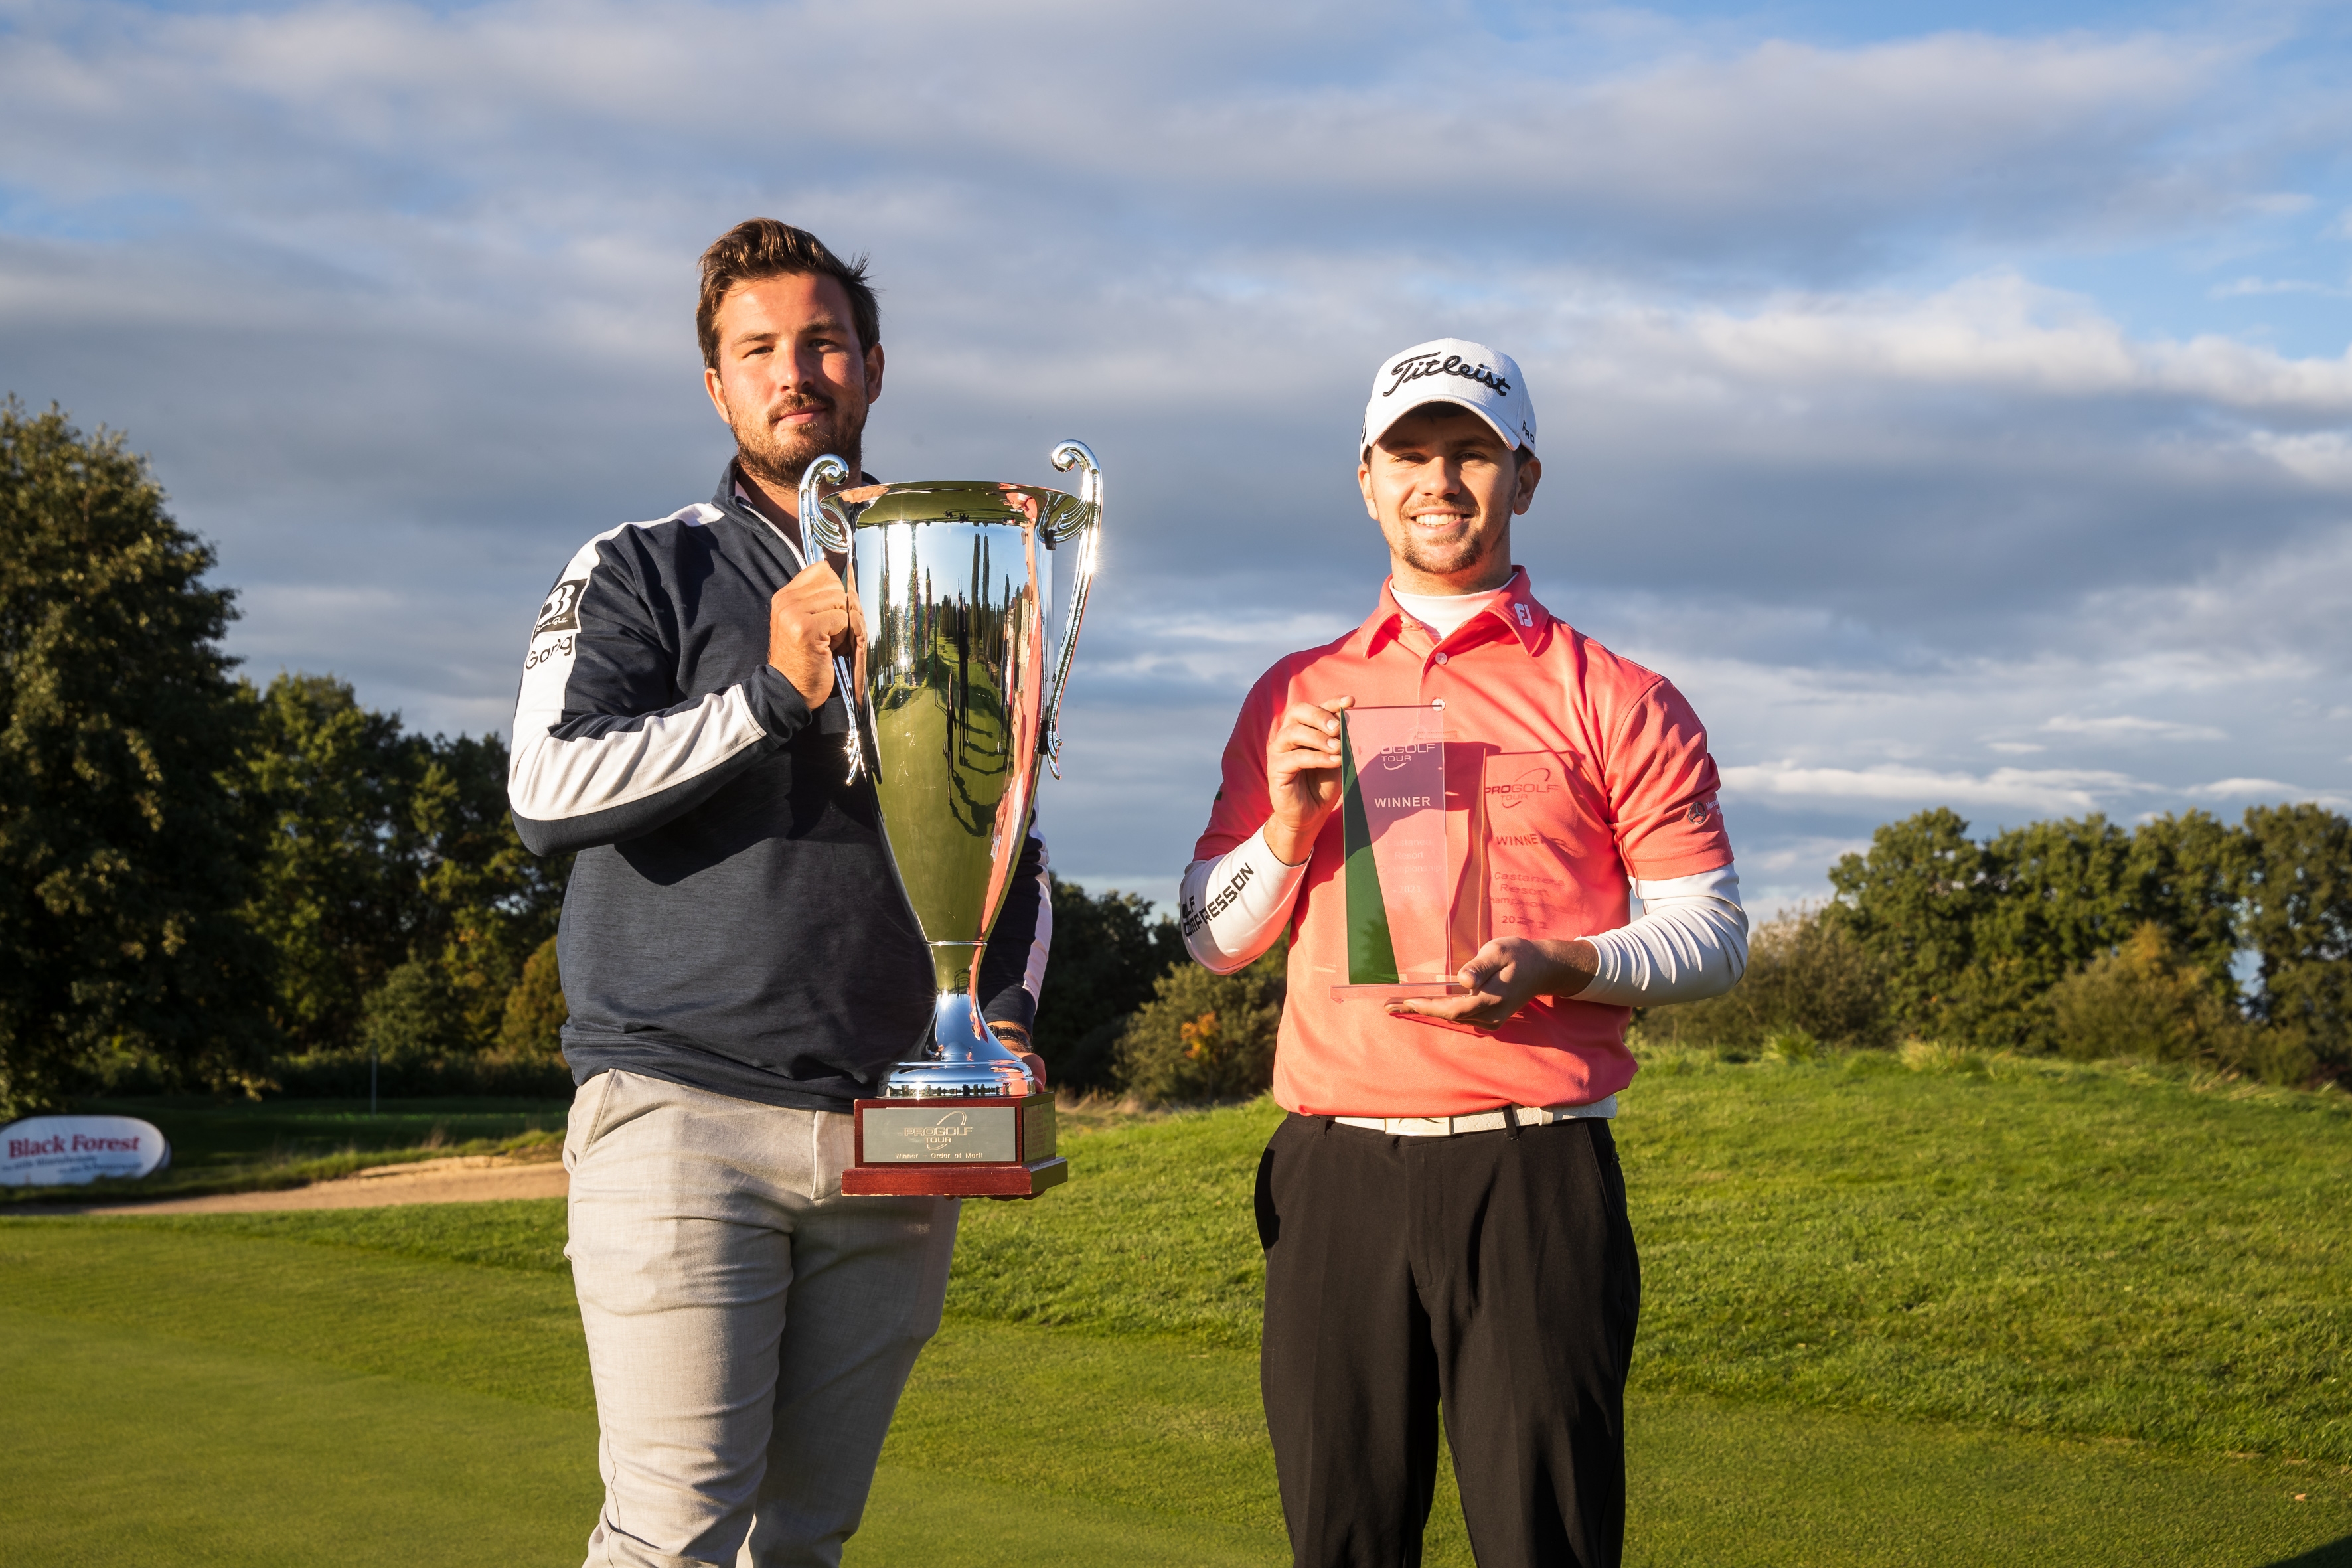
(153, 1450)
(2087, 1251)
(407, 1385)
(392, 1432)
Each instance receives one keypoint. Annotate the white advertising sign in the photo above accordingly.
(63, 1151)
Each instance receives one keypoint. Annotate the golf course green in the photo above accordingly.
(1931, 1310)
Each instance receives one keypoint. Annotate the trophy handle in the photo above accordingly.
(822, 516)
(823, 520)
(1082, 578)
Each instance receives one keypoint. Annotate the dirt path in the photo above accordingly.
(470, 1178)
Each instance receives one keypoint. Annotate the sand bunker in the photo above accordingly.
(464, 1179)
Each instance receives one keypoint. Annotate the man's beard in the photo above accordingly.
(1450, 558)
(781, 460)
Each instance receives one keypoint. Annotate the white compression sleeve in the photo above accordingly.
(1233, 907)
(1690, 943)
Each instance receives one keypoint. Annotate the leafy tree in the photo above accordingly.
(123, 848)
(2295, 890)
(532, 1027)
(335, 896)
(1108, 954)
(1913, 902)
(380, 849)
(2057, 896)
(487, 903)
(2185, 876)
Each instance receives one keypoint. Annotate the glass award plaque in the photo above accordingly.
(1530, 878)
(1450, 841)
(1401, 871)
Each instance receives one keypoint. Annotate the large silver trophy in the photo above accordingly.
(955, 700)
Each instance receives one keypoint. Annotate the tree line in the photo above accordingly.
(204, 883)
(2184, 938)
(211, 883)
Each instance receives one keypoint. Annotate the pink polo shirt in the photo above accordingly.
(1593, 765)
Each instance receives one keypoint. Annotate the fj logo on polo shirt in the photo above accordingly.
(1527, 616)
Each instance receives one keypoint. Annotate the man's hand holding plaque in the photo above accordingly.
(1302, 774)
(1506, 975)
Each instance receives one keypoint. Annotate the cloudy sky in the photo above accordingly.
(1953, 400)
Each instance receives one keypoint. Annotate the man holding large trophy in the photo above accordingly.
(1447, 810)
(793, 734)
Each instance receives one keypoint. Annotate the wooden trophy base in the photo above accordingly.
(995, 1146)
(975, 1181)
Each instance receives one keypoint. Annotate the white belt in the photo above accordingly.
(1479, 1121)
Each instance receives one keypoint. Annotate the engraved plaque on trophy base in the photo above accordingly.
(949, 1147)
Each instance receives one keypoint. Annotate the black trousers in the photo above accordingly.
(1492, 1272)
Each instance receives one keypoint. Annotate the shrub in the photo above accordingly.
(1107, 952)
(532, 1029)
(1806, 976)
(2138, 1001)
(2145, 999)
(1205, 1037)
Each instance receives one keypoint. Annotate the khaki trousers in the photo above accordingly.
(749, 1328)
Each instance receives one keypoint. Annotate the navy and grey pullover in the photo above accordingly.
(731, 923)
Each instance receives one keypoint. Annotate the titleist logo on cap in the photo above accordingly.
(1471, 375)
(1415, 367)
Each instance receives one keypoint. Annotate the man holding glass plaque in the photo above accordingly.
(1449, 810)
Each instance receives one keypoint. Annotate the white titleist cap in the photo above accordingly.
(1452, 369)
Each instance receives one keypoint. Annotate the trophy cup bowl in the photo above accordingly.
(955, 699)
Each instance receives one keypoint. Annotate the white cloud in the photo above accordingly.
(1999, 331)
(2323, 459)
(491, 118)
(2124, 726)
(2245, 288)
(2264, 790)
(2039, 789)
